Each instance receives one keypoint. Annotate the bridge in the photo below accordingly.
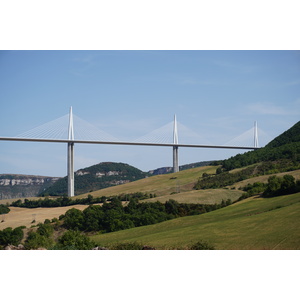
(57, 132)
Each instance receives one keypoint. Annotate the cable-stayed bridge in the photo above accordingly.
(71, 129)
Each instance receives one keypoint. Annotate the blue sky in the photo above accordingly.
(217, 94)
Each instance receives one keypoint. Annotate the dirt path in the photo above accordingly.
(24, 216)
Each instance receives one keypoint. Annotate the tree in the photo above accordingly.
(172, 207)
(74, 219)
(92, 218)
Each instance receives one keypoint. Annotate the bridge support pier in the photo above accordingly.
(175, 148)
(71, 156)
(175, 159)
(70, 169)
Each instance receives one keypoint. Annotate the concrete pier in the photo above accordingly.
(71, 156)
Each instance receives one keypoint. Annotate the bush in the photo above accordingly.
(4, 209)
(35, 240)
(74, 240)
(127, 246)
(9, 236)
(201, 245)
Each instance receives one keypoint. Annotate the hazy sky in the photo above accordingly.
(217, 94)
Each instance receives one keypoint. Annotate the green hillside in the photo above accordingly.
(96, 177)
(284, 147)
(254, 223)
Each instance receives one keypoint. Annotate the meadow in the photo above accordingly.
(254, 223)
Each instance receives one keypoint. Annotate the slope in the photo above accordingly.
(254, 223)
(159, 185)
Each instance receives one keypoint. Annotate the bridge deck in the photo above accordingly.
(19, 139)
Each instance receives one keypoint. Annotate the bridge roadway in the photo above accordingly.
(20, 139)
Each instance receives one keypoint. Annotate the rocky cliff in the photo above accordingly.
(19, 186)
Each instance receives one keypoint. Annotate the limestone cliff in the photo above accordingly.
(19, 186)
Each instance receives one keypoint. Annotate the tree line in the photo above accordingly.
(66, 201)
(276, 186)
(114, 216)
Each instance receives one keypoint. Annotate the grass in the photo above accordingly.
(255, 223)
(210, 196)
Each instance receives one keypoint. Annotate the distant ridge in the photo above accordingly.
(20, 186)
(167, 170)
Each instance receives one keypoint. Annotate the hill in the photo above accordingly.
(254, 223)
(96, 177)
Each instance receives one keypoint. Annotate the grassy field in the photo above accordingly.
(254, 223)
(210, 196)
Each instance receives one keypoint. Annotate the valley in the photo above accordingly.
(201, 206)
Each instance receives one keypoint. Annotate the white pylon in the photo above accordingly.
(71, 128)
(175, 132)
(255, 135)
(175, 148)
(71, 156)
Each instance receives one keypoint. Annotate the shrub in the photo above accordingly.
(127, 246)
(9, 236)
(74, 240)
(35, 240)
(201, 245)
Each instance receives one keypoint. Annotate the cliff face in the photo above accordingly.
(19, 186)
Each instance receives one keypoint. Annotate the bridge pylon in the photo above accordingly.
(255, 135)
(71, 156)
(175, 148)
